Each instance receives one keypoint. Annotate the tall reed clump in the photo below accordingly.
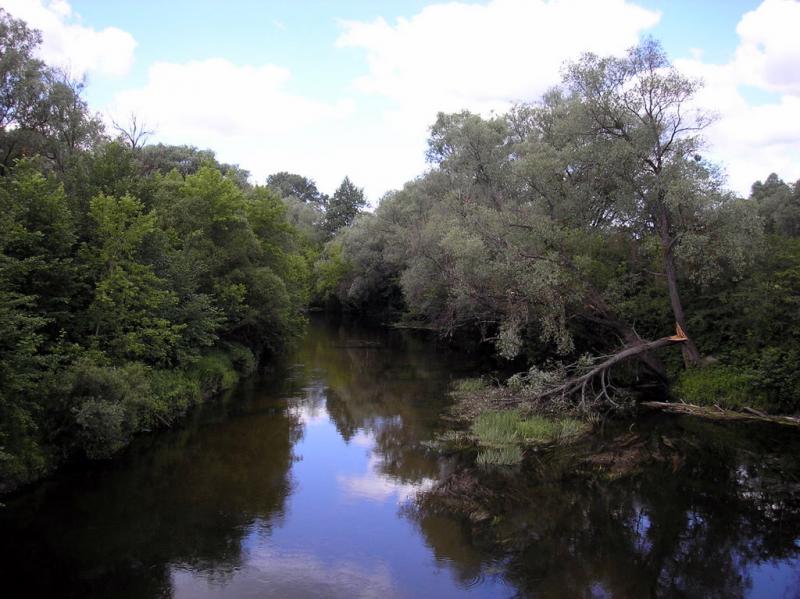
(502, 434)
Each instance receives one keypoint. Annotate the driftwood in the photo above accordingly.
(717, 413)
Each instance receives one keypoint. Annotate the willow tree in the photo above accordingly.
(635, 116)
(553, 220)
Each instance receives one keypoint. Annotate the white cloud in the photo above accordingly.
(447, 57)
(66, 43)
(246, 114)
(752, 139)
(769, 51)
(215, 99)
(453, 56)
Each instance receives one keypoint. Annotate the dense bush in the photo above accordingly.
(134, 281)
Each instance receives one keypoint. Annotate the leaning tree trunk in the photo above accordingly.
(579, 386)
(691, 355)
(629, 337)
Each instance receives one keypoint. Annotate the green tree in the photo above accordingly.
(41, 109)
(346, 203)
(778, 204)
(131, 303)
(291, 185)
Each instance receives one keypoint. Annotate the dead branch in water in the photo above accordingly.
(717, 413)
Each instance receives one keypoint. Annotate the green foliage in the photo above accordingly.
(330, 270)
(347, 202)
(779, 205)
(41, 109)
(215, 373)
(109, 404)
(753, 323)
(134, 281)
(291, 185)
(242, 358)
(175, 391)
(725, 386)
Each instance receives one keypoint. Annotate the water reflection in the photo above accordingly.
(698, 511)
(304, 484)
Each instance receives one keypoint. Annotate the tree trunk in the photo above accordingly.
(577, 386)
(691, 355)
(629, 336)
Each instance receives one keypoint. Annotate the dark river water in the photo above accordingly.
(318, 481)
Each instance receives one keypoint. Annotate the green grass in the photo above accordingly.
(508, 455)
(501, 434)
(497, 428)
(472, 385)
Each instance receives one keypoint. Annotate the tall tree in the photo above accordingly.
(41, 109)
(635, 113)
(347, 201)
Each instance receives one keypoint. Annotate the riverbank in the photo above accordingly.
(118, 404)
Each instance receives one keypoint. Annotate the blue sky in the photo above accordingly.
(330, 89)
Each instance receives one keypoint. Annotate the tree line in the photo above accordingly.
(586, 230)
(578, 232)
(135, 279)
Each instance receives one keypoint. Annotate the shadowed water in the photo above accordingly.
(302, 484)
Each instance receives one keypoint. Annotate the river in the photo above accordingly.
(304, 483)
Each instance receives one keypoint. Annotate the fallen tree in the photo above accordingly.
(599, 372)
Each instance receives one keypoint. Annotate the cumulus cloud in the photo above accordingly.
(769, 51)
(215, 99)
(756, 133)
(484, 57)
(246, 114)
(445, 58)
(452, 56)
(78, 49)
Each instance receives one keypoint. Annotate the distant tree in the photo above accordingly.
(291, 185)
(133, 133)
(187, 160)
(779, 205)
(347, 201)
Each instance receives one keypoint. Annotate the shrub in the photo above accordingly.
(243, 360)
(175, 391)
(103, 428)
(778, 376)
(109, 404)
(720, 385)
(215, 372)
